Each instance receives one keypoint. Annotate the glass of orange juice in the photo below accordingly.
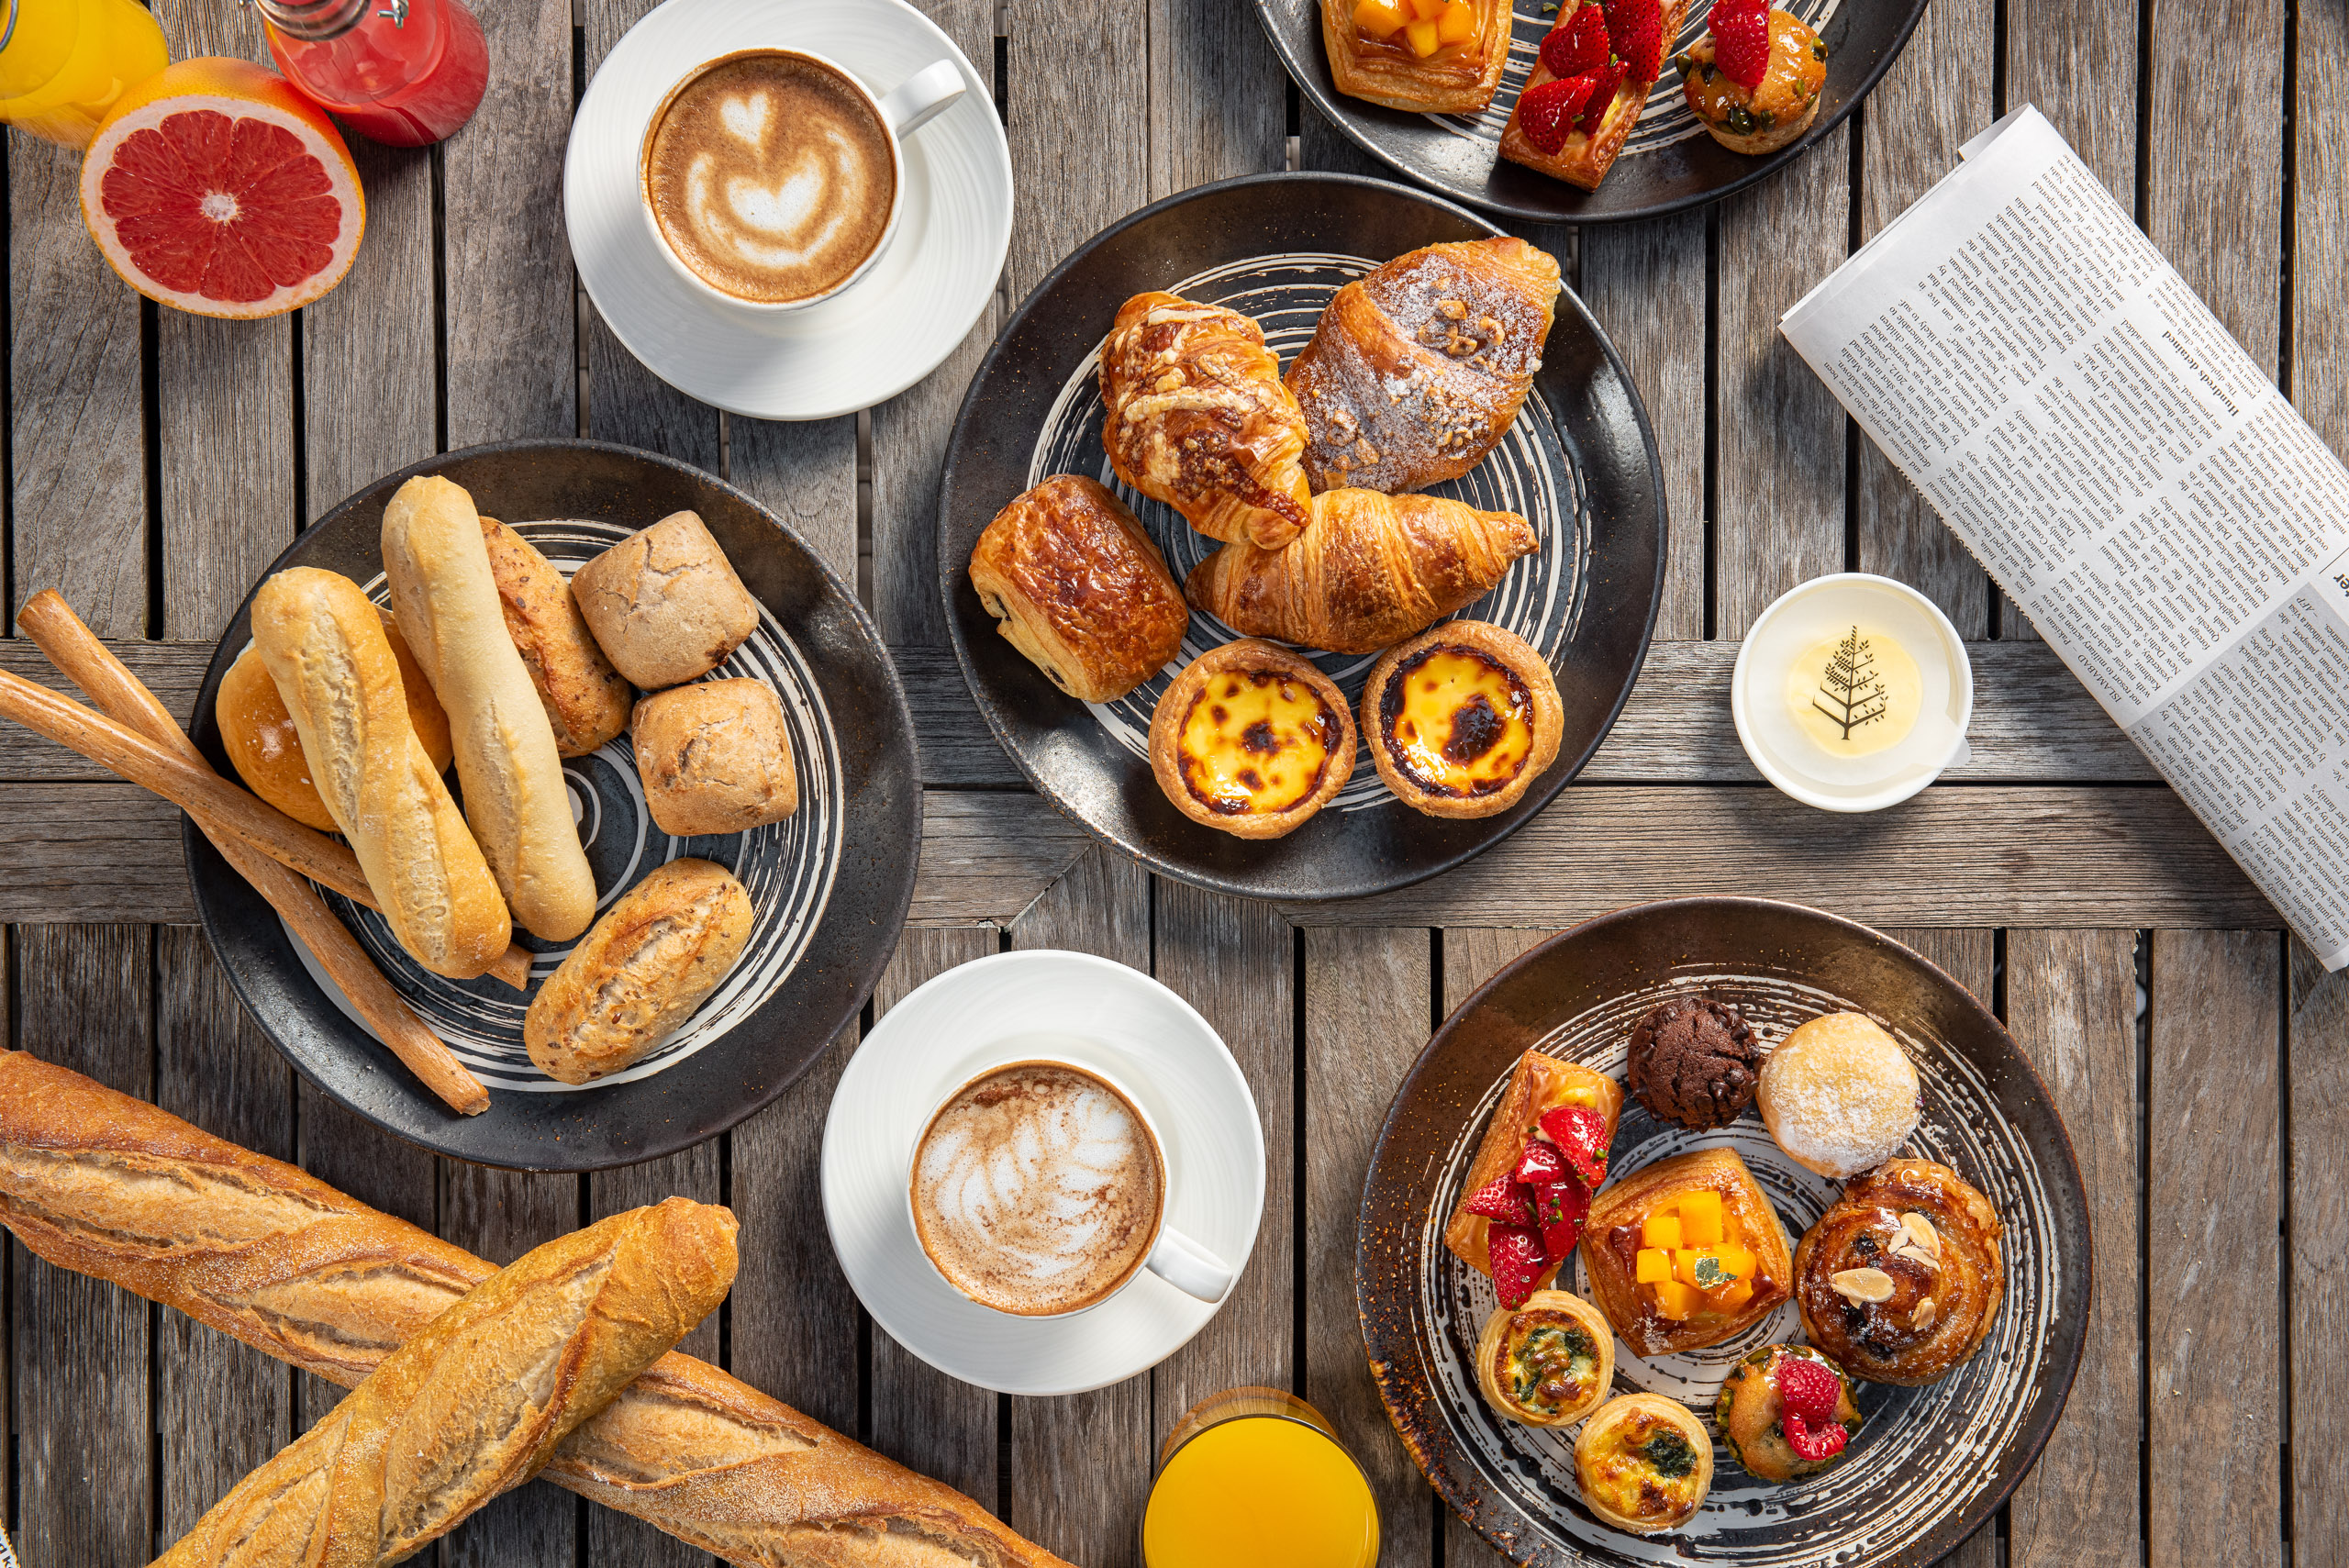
(1256, 1478)
(63, 63)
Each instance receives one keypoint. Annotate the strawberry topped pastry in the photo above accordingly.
(1589, 85)
(1527, 1190)
(1754, 78)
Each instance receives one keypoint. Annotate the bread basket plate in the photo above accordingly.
(1929, 1465)
(829, 886)
(1668, 163)
(1579, 463)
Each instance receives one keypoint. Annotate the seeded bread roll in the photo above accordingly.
(585, 699)
(634, 980)
(714, 758)
(664, 603)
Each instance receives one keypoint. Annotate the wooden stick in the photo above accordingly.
(83, 659)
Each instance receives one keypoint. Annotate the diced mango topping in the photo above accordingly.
(1700, 1218)
(1731, 1297)
(1422, 37)
(1458, 23)
(1692, 1259)
(1426, 10)
(1735, 1260)
(1675, 1300)
(1381, 18)
(1653, 1266)
(1661, 1231)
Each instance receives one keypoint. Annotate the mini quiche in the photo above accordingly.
(1753, 79)
(1462, 719)
(1547, 1363)
(1785, 1411)
(1644, 1463)
(1250, 739)
(1686, 1252)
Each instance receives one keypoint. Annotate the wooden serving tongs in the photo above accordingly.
(137, 738)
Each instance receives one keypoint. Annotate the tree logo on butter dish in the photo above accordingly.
(1851, 692)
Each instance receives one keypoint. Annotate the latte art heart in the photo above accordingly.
(770, 176)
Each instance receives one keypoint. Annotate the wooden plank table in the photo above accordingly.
(155, 463)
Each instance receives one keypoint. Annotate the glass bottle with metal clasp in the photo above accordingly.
(403, 72)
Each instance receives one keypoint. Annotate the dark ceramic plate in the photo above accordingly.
(829, 885)
(1579, 463)
(1668, 165)
(1929, 1465)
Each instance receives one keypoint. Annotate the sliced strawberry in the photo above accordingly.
(1603, 83)
(1503, 1198)
(1544, 113)
(1543, 1161)
(1578, 43)
(1580, 1134)
(1559, 1209)
(1637, 28)
(1741, 39)
(1518, 1261)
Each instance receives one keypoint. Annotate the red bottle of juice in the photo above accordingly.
(403, 72)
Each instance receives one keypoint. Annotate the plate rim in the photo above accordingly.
(950, 572)
(195, 846)
(1384, 1369)
(1344, 116)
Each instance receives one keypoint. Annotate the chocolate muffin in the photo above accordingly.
(1694, 1062)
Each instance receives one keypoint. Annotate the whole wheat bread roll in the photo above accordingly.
(445, 597)
(664, 603)
(324, 646)
(585, 699)
(714, 757)
(97, 1182)
(476, 1403)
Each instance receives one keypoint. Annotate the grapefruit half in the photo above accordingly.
(214, 187)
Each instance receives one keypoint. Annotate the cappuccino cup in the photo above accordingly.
(772, 179)
(1039, 1188)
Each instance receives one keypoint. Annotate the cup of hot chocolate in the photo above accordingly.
(1040, 1188)
(773, 178)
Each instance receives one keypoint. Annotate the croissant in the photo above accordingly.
(1456, 331)
(1198, 418)
(1370, 570)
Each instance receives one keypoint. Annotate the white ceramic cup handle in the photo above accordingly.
(1189, 1267)
(921, 97)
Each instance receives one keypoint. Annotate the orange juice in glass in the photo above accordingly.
(63, 63)
(1256, 1478)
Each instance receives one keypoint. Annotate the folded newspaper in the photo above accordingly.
(2171, 525)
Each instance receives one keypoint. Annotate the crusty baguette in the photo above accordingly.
(104, 1184)
(634, 979)
(325, 648)
(476, 1403)
(446, 600)
(586, 701)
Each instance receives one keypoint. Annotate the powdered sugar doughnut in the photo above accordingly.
(1840, 1096)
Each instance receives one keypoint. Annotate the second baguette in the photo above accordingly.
(445, 597)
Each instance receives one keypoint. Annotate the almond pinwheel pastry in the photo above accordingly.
(1644, 1463)
(1901, 1280)
(1417, 369)
(1685, 1253)
(1198, 418)
(1546, 1362)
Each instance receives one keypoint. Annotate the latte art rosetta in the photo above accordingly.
(770, 176)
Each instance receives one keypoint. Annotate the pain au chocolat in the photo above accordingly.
(1251, 740)
(1461, 719)
(1077, 586)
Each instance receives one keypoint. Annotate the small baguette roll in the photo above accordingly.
(445, 597)
(476, 1404)
(586, 701)
(650, 960)
(324, 647)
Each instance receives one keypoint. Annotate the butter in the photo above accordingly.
(1857, 692)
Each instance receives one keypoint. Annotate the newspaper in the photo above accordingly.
(2130, 477)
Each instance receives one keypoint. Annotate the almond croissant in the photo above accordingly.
(1198, 418)
(1369, 571)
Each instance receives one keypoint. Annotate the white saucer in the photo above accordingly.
(890, 328)
(1077, 1008)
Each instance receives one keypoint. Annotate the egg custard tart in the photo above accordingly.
(1250, 739)
(1461, 719)
(1548, 1363)
(1644, 1463)
(1686, 1252)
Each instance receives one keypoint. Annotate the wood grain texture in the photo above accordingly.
(1778, 477)
(1234, 959)
(507, 303)
(2317, 1200)
(807, 473)
(1936, 95)
(77, 508)
(1217, 98)
(1321, 145)
(84, 1466)
(2319, 381)
(214, 1068)
(2071, 1004)
(1080, 80)
(1079, 1467)
(923, 1418)
(985, 857)
(1366, 1016)
(173, 670)
(2078, 64)
(1957, 857)
(2213, 1276)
